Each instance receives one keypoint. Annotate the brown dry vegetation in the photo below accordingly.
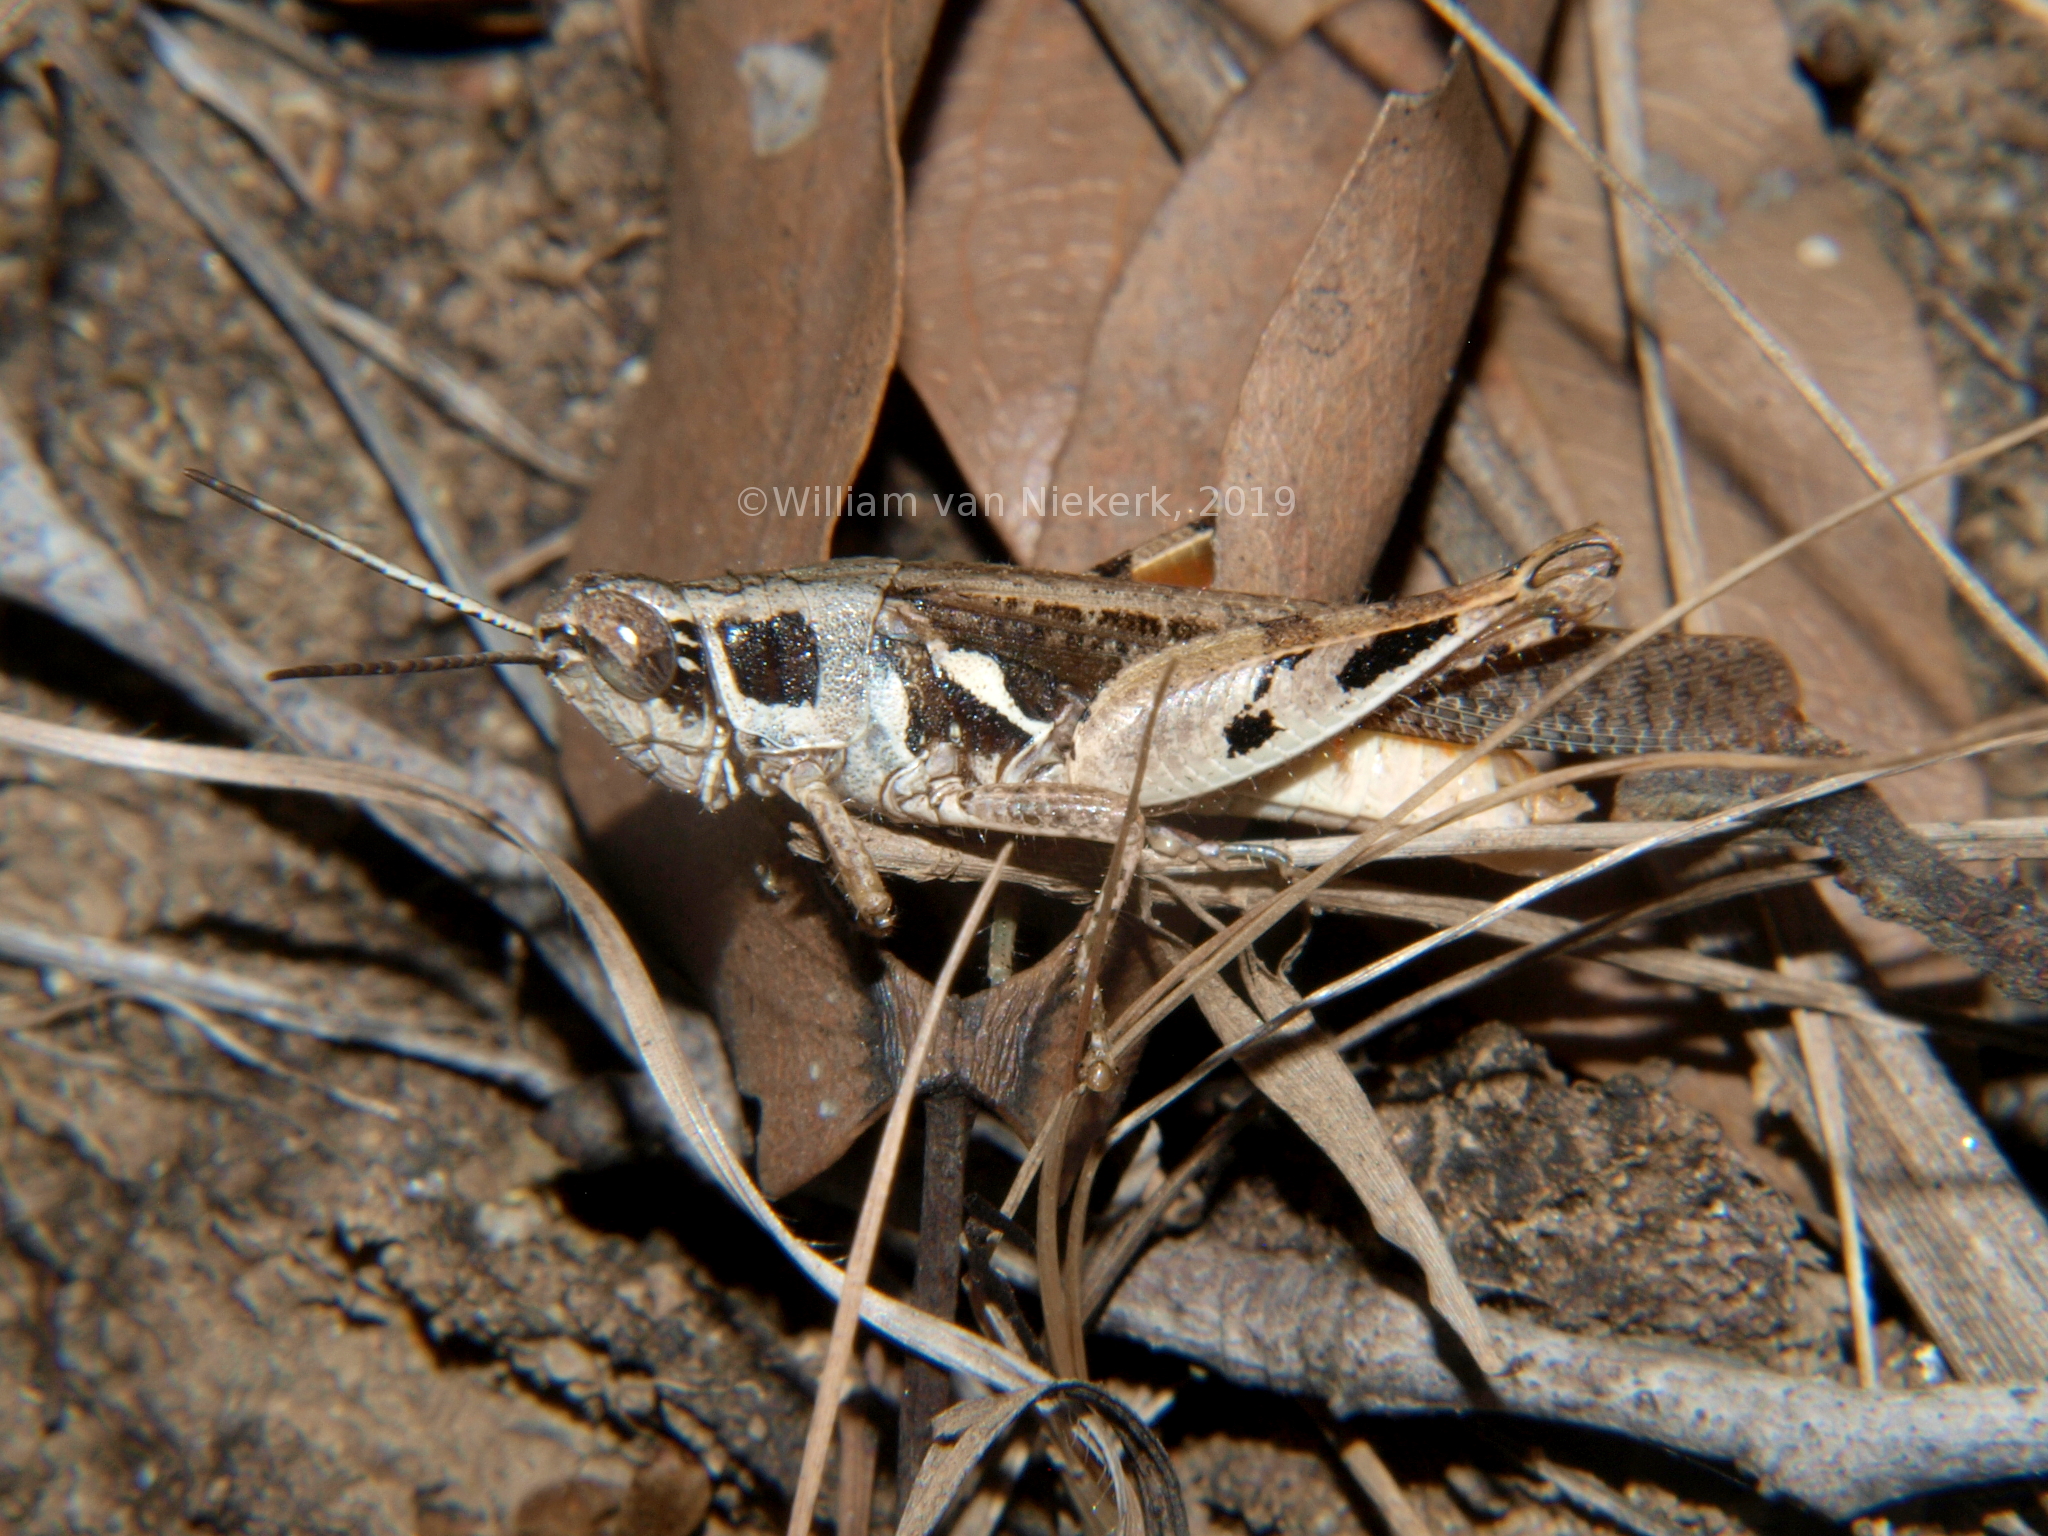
(365, 1220)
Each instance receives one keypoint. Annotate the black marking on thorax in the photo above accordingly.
(1383, 653)
(929, 714)
(688, 692)
(774, 660)
(979, 728)
(940, 709)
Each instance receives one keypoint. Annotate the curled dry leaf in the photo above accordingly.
(778, 324)
(1740, 158)
(1038, 170)
(1352, 368)
(1184, 321)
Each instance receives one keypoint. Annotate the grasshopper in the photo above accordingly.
(987, 697)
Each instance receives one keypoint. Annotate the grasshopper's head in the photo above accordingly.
(627, 653)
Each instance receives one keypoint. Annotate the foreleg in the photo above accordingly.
(807, 784)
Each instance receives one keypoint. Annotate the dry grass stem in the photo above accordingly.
(521, 567)
(1824, 1073)
(1173, 988)
(277, 279)
(2027, 726)
(162, 977)
(198, 77)
(1304, 1077)
(463, 402)
(1380, 1486)
(235, 1048)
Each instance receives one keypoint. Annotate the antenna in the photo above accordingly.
(413, 664)
(469, 607)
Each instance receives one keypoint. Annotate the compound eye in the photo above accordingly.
(631, 645)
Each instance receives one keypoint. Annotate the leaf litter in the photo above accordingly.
(1104, 265)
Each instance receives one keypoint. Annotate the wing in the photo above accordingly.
(1678, 693)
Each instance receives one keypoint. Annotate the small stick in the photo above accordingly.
(927, 1388)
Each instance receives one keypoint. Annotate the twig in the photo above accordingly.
(1593, 1497)
(1174, 988)
(518, 569)
(1302, 1074)
(1117, 1249)
(235, 1048)
(1284, 1321)
(51, 561)
(290, 44)
(1970, 586)
(1996, 734)
(285, 289)
(1972, 330)
(151, 974)
(936, 1287)
(1500, 487)
(922, 857)
(1960, 1234)
(868, 1229)
(1178, 62)
(657, 1041)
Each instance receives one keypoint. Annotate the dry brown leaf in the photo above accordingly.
(1038, 171)
(911, 25)
(1354, 365)
(1184, 321)
(1547, 387)
(1395, 42)
(1743, 163)
(778, 325)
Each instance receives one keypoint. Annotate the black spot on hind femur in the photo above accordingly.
(1249, 732)
(1385, 653)
(774, 660)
